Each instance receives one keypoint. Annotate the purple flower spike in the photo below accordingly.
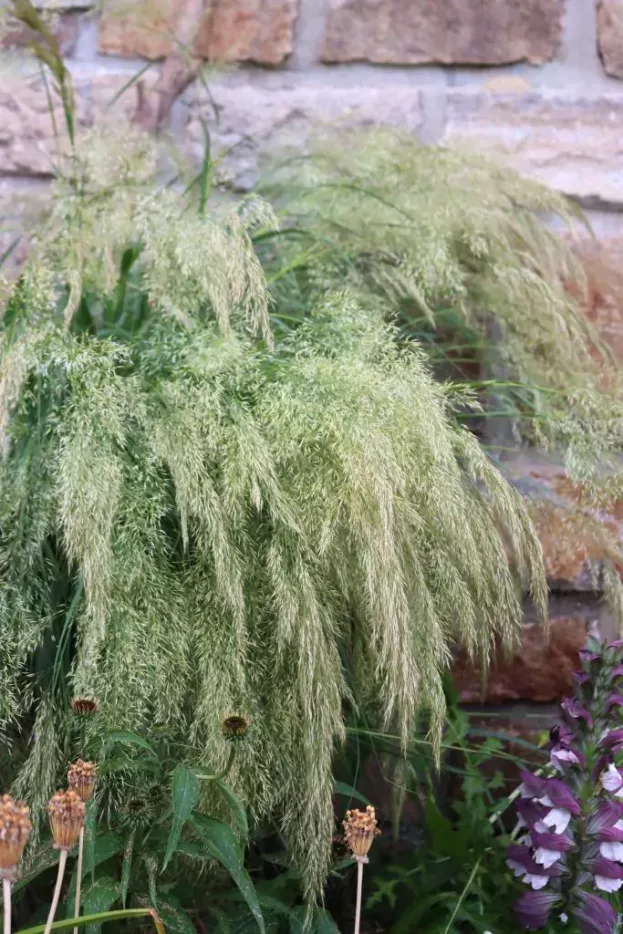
(617, 671)
(561, 735)
(588, 656)
(531, 785)
(559, 842)
(612, 780)
(530, 812)
(581, 677)
(525, 867)
(614, 700)
(605, 867)
(557, 795)
(533, 909)
(594, 915)
(612, 739)
(616, 644)
(561, 756)
(604, 818)
(576, 711)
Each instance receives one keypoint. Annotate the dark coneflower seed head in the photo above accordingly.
(360, 829)
(66, 812)
(84, 706)
(81, 778)
(235, 727)
(15, 829)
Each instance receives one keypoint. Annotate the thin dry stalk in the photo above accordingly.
(57, 890)
(79, 879)
(360, 863)
(6, 894)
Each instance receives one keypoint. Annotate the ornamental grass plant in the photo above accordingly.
(200, 514)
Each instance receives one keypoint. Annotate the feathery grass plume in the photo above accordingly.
(447, 242)
(208, 522)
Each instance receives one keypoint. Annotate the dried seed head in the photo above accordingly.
(235, 726)
(15, 829)
(81, 778)
(360, 829)
(84, 706)
(66, 812)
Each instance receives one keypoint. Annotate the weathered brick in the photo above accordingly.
(539, 671)
(28, 145)
(65, 30)
(474, 32)
(600, 290)
(577, 538)
(253, 119)
(234, 30)
(610, 32)
(569, 141)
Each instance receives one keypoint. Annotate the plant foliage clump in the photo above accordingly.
(458, 249)
(196, 522)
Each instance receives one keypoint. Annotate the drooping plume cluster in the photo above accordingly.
(228, 529)
(571, 839)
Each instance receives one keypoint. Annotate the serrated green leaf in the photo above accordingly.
(174, 918)
(126, 868)
(44, 859)
(105, 845)
(185, 796)
(99, 897)
(223, 846)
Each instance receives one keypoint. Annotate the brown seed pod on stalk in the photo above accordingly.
(15, 829)
(66, 812)
(81, 779)
(360, 829)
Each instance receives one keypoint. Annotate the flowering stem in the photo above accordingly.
(6, 896)
(461, 898)
(79, 879)
(360, 862)
(57, 890)
(218, 776)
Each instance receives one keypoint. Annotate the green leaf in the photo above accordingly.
(222, 845)
(297, 920)
(101, 918)
(237, 807)
(126, 736)
(151, 864)
(324, 923)
(105, 845)
(100, 897)
(185, 796)
(44, 859)
(126, 868)
(174, 918)
(341, 788)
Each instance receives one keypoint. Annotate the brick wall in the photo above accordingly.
(538, 80)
